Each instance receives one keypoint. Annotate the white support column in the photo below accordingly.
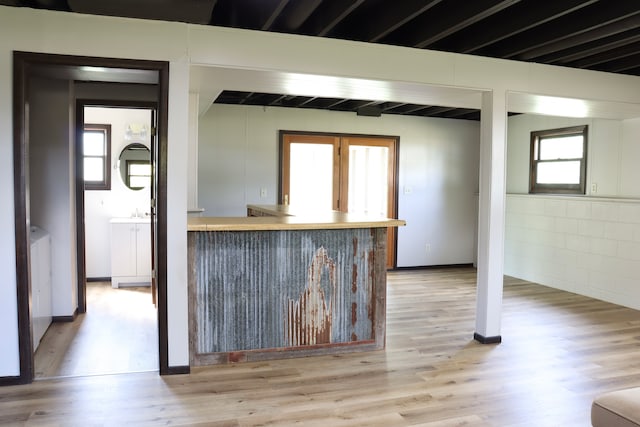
(491, 214)
(192, 155)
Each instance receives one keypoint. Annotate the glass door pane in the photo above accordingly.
(368, 180)
(311, 176)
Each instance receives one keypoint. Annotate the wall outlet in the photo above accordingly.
(594, 187)
(407, 189)
(427, 248)
(263, 193)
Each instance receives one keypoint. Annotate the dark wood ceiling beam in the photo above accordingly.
(335, 104)
(585, 55)
(277, 101)
(608, 54)
(274, 15)
(246, 98)
(346, 12)
(328, 15)
(623, 65)
(308, 101)
(437, 110)
(296, 14)
(585, 36)
(416, 108)
(583, 20)
(371, 103)
(388, 107)
(392, 18)
(459, 112)
(446, 28)
(522, 17)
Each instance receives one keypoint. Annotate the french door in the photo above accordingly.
(347, 173)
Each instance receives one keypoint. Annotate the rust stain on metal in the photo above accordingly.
(354, 337)
(354, 272)
(371, 259)
(309, 317)
(354, 313)
(237, 356)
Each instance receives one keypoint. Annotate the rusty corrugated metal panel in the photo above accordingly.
(274, 289)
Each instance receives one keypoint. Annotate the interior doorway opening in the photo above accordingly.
(74, 77)
(116, 328)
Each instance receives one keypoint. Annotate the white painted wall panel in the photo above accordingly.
(52, 187)
(9, 357)
(629, 155)
(604, 158)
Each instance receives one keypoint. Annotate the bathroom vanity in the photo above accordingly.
(130, 252)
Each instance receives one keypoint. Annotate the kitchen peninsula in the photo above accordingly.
(282, 283)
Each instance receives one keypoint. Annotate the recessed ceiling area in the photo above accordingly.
(360, 107)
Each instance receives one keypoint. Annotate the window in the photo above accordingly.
(558, 160)
(138, 174)
(96, 149)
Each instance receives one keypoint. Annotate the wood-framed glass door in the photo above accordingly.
(371, 184)
(347, 173)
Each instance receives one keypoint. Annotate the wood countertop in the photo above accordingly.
(279, 217)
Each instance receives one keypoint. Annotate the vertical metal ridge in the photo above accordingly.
(274, 289)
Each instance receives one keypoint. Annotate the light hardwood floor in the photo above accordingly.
(559, 350)
(117, 334)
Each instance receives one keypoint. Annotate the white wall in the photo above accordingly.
(438, 168)
(584, 244)
(120, 201)
(52, 185)
(629, 176)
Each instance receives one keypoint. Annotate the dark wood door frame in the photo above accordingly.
(23, 63)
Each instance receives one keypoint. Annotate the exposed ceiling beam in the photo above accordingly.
(374, 19)
(522, 17)
(585, 36)
(296, 14)
(609, 52)
(590, 18)
(274, 15)
(327, 15)
(446, 29)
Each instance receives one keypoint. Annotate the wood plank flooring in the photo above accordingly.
(118, 334)
(559, 350)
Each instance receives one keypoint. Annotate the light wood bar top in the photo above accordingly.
(279, 217)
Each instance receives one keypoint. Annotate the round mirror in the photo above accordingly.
(135, 166)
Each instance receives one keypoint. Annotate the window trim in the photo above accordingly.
(106, 183)
(579, 188)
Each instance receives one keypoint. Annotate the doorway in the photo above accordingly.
(347, 173)
(116, 328)
(72, 69)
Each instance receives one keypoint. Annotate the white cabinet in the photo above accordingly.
(40, 283)
(130, 251)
